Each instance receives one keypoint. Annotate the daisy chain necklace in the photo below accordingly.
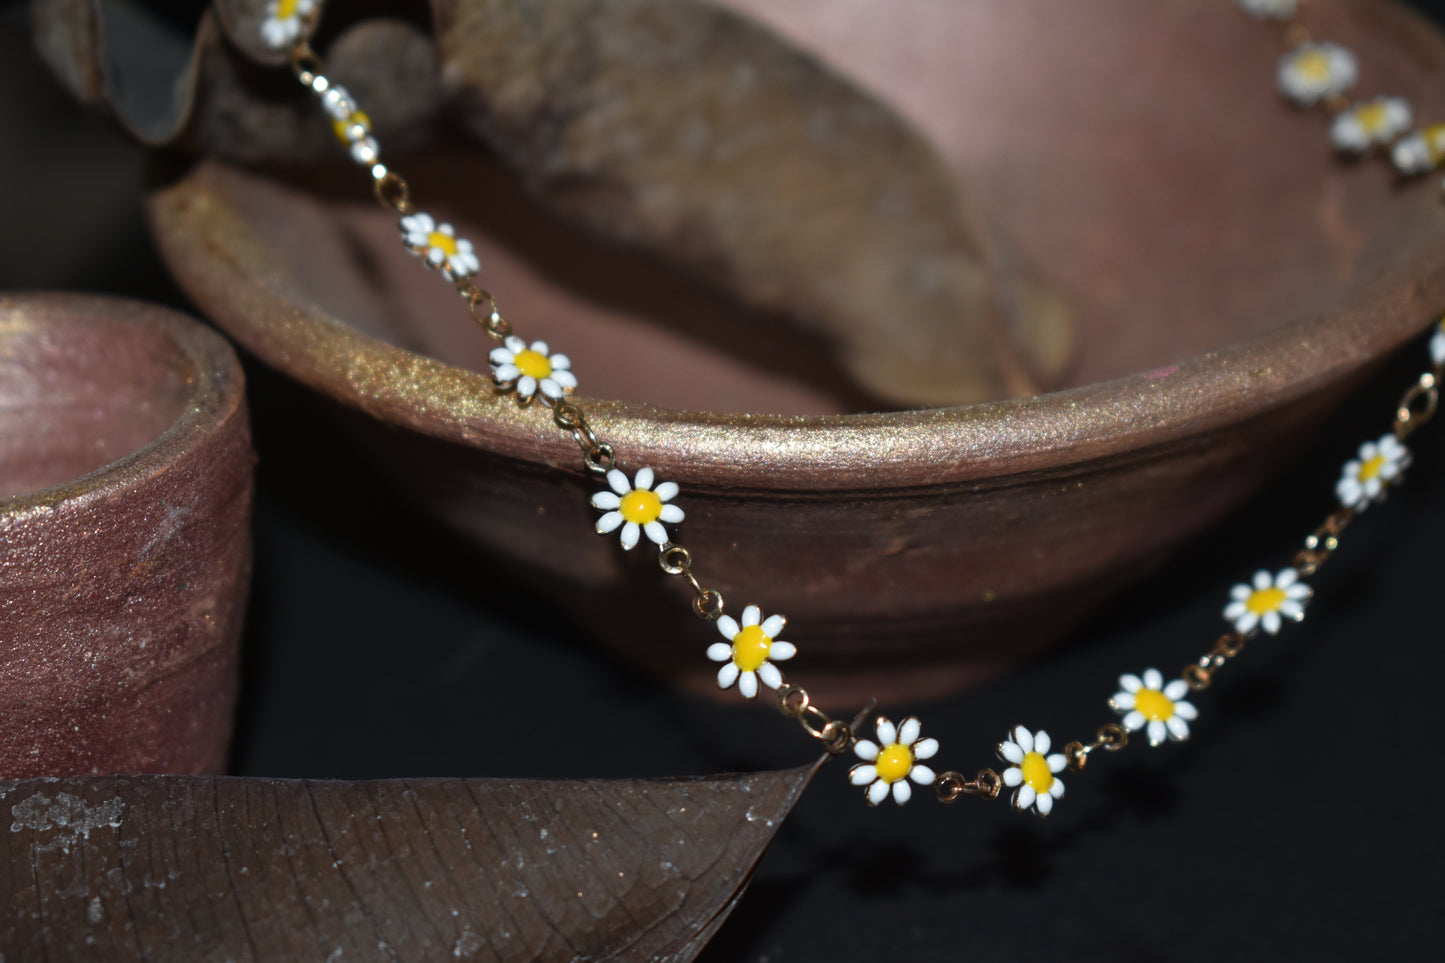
(641, 508)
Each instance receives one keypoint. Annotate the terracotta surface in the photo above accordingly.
(124, 537)
(1201, 231)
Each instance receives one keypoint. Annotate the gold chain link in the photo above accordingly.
(794, 703)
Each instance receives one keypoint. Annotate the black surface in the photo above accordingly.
(1299, 822)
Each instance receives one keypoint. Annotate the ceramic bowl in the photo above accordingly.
(1231, 281)
(125, 502)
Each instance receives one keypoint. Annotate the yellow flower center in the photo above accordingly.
(359, 117)
(1435, 142)
(444, 242)
(1154, 704)
(1036, 772)
(1262, 601)
(895, 761)
(1372, 117)
(286, 9)
(536, 364)
(750, 646)
(1313, 66)
(1371, 468)
(640, 506)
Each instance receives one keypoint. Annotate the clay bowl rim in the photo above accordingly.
(213, 379)
(908, 449)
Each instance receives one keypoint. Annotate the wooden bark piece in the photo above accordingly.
(692, 131)
(191, 868)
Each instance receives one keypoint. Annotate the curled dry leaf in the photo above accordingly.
(159, 868)
(680, 128)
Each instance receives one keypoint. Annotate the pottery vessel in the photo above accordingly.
(1231, 281)
(125, 505)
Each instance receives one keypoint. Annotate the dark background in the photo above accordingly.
(1301, 821)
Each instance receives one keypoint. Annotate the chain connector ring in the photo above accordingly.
(1418, 406)
(392, 190)
(950, 785)
(1198, 677)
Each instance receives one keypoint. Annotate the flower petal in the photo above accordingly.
(618, 482)
(752, 615)
(773, 626)
(865, 749)
(1024, 797)
(902, 792)
(719, 652)
(1044, 804)
(666, 491)
(887, 732)
(1011, 752)
(1057, 762)
(1130, 682)
(1042, 742)
(1012, 776)
(922, 775)
(656, 532)
(909, 731)
(1153, 679)
(1158, 732)
(782, 651)
(1135, 720)
(671, 514)
(862, 774)
(1186, 710)
(1122, 701)
(728, 627)
(1176, 690)
(643, 479)
(1178, 728)
(727, 675)
(769, 675)
(630, 532)
(1024, 738)
(748, 685)
(925, 748)
(607, 501)
(877, 792)
(609, 522)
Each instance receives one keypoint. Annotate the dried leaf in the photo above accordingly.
(675, 126)
(185, 868)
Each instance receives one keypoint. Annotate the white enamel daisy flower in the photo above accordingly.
(439, 246)
(351, 124)
(1313, 72)
(893, 760)
(636, 507)
(1032, 770)
(1437, 344)
(1148, 703)
(1419, 151)
(530, 369)
(1266, 602)
(283, 21)
(1270, 9)
(1370, 122)
(750, 651)
(1365, 478)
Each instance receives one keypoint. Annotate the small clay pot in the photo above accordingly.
(1231, 281)
(124, 538)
